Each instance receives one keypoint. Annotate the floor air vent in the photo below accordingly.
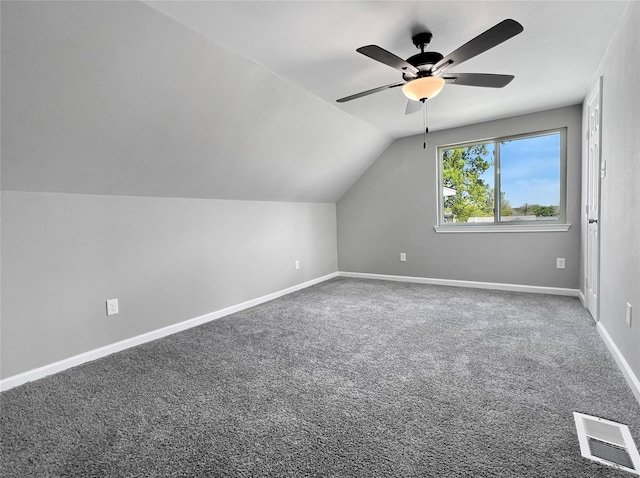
(607, 442)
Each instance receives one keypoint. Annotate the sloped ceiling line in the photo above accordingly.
(116, 98)
(236, 100)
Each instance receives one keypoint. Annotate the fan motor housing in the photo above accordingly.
(423, 62)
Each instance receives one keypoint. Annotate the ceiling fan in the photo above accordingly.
(425, 74)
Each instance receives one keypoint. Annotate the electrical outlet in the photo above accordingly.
(628, 318)
(560, 263)
(297, 264)
(403, 257)
(112, 307)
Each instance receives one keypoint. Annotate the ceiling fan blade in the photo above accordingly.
(485, 41)
(369, 92)
(412, 107)
(388, 58)
(478, 79)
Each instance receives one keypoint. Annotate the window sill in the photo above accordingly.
(466, 228)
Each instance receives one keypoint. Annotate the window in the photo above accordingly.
(517, 182)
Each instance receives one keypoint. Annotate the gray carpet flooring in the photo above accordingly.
(348, 378)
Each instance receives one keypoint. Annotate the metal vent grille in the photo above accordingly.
(609, 452)
(607, 442)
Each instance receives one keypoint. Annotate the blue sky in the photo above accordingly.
(530, 170)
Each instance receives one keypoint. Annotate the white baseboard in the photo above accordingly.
(583, 299)
(50, 369)
(463, 283)
(623, 365)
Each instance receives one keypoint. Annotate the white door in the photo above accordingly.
(593, 200)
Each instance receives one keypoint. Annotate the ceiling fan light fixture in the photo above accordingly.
(423, 88)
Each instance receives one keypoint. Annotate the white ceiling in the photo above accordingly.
(236, 100)
(116, 98)
(312, 45)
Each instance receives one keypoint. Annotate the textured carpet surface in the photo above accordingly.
(345, 378)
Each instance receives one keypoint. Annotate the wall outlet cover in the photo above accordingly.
(112, 307)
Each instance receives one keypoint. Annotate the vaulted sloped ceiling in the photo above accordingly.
(117, 98)
(236, 99)
(313, 45)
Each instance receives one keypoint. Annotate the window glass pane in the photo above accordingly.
(530, 178)
(467, 180)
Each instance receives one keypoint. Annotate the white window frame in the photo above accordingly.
(538, 226)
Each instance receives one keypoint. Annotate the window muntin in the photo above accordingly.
(524, 176)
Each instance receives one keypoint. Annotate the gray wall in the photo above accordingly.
(392, 209)
(166, 259)
(113, 115)
(620, 188)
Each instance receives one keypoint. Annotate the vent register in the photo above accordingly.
(607, 442)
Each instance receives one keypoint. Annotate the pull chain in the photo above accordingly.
(426, 129)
